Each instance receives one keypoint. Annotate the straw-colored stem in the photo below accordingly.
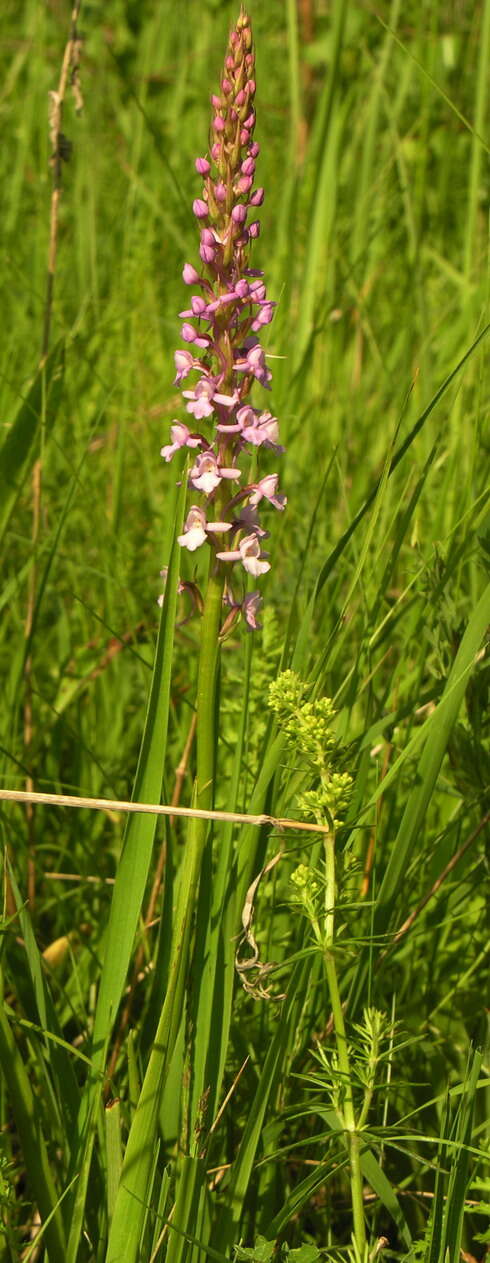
(59, 152)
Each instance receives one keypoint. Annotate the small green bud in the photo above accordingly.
(330, 799)
(304, 880)
(285, 694)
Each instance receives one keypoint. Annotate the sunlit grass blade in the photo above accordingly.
(458, 1177)
(31, 426)
(191, 1182)
(434, 1236)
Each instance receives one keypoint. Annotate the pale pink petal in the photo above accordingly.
(192, 538)
(234, 555)
(250, 554)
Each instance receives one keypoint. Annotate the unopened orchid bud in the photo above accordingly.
(206, 252)
(189, 274)
(202, 165)
(264, 316)
(239, 213)
(200, 208)
(188, 333)
(243, 185)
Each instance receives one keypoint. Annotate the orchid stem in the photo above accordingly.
(207, 688)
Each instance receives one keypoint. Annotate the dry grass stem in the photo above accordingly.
(60, 153)
(158, 809)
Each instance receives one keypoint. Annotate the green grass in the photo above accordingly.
(374, 133)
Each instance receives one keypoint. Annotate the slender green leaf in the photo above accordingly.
(36, 415)
(34, 1149)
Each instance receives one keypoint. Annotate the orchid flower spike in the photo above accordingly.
(221, 329)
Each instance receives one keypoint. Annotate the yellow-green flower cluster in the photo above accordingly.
(330, 800)
(305, 882)
(307, 726)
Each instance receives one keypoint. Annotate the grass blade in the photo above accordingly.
(32, 1141)
(21, 446)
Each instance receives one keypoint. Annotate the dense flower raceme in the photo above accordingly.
(223, 357)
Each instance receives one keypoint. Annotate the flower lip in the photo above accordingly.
(194, 533)
(197, 528)
(250, 555)
(203, 398)
(181, 437)
(207, 473)
(258, 427)
(251, 359)
(184, 362)
(266, 489)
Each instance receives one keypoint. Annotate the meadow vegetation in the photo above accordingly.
(173, 1085)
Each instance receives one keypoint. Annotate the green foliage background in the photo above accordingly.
(374, 136)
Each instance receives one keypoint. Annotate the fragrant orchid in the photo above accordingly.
(220, 329)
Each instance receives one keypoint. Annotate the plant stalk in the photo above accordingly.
(207, 689)
(348, 1111)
